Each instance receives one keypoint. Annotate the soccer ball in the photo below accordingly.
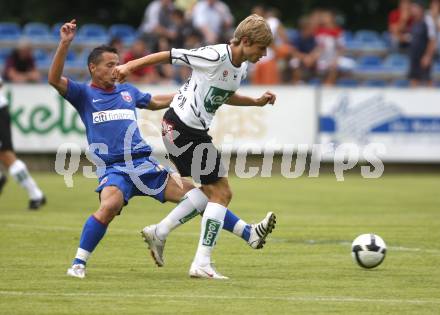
(368, 250)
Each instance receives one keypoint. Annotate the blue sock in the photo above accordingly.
(92, 233)
(231, 220)
(246, 233)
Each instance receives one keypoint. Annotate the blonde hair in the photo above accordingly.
(255, 28)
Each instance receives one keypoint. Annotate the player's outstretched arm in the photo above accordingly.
(55, 78)
(241, 100)
(160, 101)
(121, 72)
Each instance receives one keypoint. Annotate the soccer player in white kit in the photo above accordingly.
(217, 73)
(17, 168)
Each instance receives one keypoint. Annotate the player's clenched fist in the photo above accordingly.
(121, 72)
(68, 30)
(266, 98)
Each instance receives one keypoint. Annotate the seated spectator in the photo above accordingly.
(20, 65)
(192, 40)
(306, 52)
(165, 71)
(266, 71)
(281, 44)
(157, 22)
(399, 24)
(183, 29)
(422, 46)
(329, 37)
(434, 14)
(147, 75)
(214, 20)
(186, 6)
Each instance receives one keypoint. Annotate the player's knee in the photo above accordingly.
(107, 211)
(227, 194)
(222, 196)
(219, 192)
(7, 157)
(187, 185)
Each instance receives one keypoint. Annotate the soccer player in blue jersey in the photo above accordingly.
(125, 167)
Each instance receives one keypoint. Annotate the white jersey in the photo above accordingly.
(213, 80)
(3, 100)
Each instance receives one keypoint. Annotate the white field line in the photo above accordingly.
(324, 299)
(347, 243)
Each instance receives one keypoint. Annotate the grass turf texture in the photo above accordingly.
(305, 268)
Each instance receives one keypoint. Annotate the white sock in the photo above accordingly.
(190, 206)
(82, 254)
(239, 227)
(19, 171)
(212, 223)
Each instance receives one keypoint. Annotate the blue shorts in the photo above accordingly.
(143, 177)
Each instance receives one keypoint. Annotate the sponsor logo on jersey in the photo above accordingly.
(235, 76)
(223, 57)
(126, 96)
(215, 98)
(110, 115)
(211, 231)
(224, 78)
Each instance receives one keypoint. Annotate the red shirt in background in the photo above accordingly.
(394, 18)
(141, 71)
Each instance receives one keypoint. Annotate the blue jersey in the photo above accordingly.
(108, 116)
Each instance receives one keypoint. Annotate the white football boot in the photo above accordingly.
(155, 244)
(77, 271)
(207, 271)
(260, 231)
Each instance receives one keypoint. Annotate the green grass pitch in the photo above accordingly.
(305, 268)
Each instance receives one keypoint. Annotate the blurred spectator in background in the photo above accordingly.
(188, 37)
(329, 37)
(20, 65)
(183, 29)
(166, 70)
(214, 20)
(306, 52)
(434, 14)
(186, 6)
(146, 75)
(117, 43)
(399, 25)
(192, 40)
(260, 10)
(157, 22)
(266, 71)
(422, 46)
(281, 46)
